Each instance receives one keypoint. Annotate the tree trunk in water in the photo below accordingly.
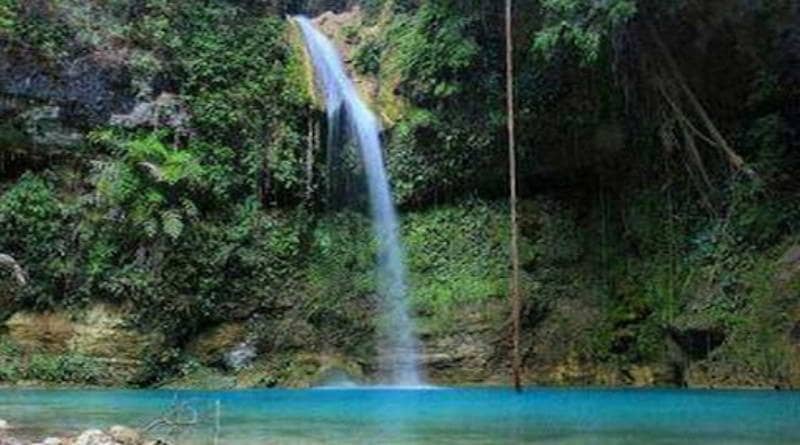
(512, 167)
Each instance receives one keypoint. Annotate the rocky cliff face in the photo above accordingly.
(100, 336)
(597, 269)
(52, 102)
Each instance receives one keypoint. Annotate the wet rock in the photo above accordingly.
(87, 89)
(4, 425)
(212, 346)
(10, 441)
(124, 435)
(241, 356)
(462, 356)
(52, 441)
(45, 126)
(316, 7)
(94, 437)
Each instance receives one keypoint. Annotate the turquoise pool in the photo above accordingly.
(436, 416)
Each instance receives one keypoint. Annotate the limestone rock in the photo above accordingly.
(105, 332)
(45, 126)
(167, 110)
(101, 333)
(94, 437)
(124, 435)
(47, 332)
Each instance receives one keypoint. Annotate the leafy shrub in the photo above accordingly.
(367, 58)
(8, 15)
(32, 229)
(66, 368)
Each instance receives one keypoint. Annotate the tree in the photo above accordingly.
(512, 167)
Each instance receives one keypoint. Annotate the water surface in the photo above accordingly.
(452, 416)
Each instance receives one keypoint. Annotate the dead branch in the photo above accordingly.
(178, 418)
(9, 262)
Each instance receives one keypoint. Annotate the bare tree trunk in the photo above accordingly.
(512, 166)
(9, 262)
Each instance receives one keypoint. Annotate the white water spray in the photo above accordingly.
(401, 357)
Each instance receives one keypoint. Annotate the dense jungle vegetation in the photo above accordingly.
(168, 158)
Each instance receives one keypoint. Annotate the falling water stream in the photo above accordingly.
(400, 356)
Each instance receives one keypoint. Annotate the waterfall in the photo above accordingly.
(344, 106)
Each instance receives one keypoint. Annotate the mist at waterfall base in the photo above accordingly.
(427, 417)
(400, 357)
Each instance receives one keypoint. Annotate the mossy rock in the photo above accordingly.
(301, 370)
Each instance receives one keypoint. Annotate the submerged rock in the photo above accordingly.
(4, 425)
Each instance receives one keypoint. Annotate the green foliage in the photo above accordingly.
(457, 255)
(432, 52)
(580, 25)
(367, 59)
(9, 362)
(8, 15)
(340, 279)
(446, 100)
(32, 229)
(242, 81)
(344, 254)
(16, 366)
(63, 368)
(40, 28)
(148, 183)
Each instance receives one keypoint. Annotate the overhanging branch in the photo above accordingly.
(8, 262)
